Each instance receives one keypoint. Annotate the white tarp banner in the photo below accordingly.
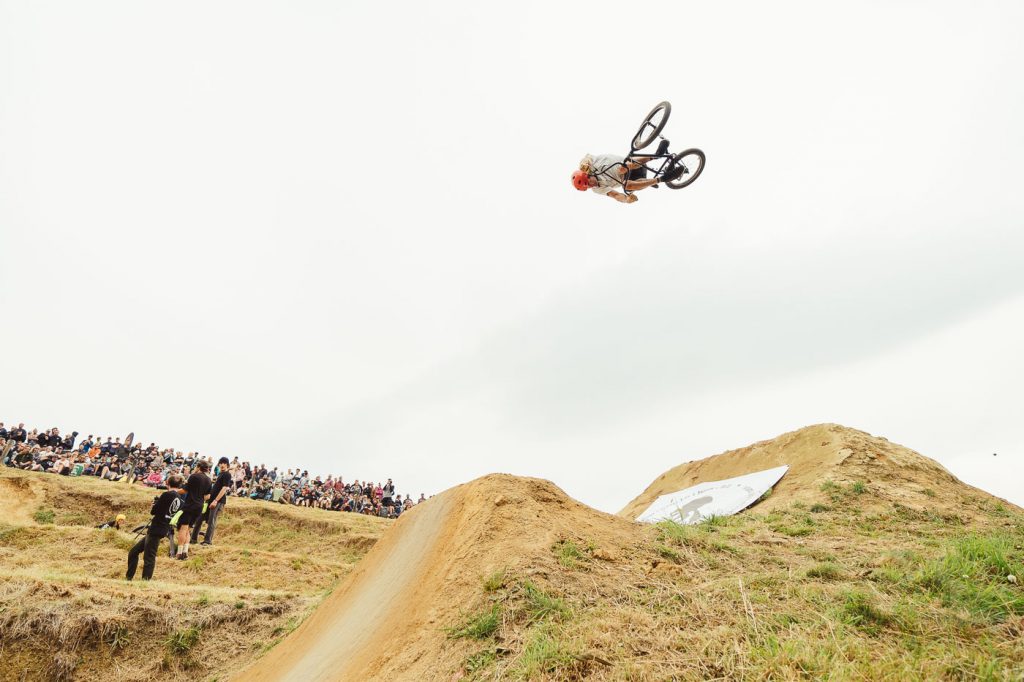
(714, 498)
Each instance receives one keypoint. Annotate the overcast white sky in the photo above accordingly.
(342, 235)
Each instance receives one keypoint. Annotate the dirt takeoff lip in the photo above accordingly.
(353, 625)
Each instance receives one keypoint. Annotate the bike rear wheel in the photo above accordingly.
(652, 126)
(693, 161)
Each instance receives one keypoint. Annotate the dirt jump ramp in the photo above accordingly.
(388, 620)
(341, 637)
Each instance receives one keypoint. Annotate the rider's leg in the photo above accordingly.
(635, 162)
(637, 185)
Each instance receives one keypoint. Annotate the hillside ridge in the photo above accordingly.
(815, 455)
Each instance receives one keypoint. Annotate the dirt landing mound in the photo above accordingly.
(822, 455)
(427, 571)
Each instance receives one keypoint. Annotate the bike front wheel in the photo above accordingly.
(693, 161)
(652, 126)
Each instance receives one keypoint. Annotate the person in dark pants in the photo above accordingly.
(197, 491)
(164, 507)
(218, 494)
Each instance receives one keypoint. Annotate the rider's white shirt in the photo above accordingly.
(605, 171)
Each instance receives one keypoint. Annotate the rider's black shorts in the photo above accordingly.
(637, 174)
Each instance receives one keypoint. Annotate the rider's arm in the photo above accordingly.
(622, 198)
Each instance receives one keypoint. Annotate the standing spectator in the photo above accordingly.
(388, 498)
(218, 497)
(197, 491)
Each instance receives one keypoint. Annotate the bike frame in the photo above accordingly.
(651, 165)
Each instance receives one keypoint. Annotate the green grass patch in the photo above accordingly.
(668, 553)
(972, 576)
(480, 626)
(793, 531)
(543, 655)
(677, 533)
(568, 553)
(495, 581)
(43, 516)
(859, 610)
(479, 661)
(119, 637)
(540, 605)
(825, 571)
(818, 508)
(181, 642)
(712, 523)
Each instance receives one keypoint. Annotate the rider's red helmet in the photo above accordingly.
(581, 180)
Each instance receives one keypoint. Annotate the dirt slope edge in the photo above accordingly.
(333, 642)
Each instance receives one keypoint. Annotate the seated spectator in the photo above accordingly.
(62, 466)
(154, 478)
(108, 459)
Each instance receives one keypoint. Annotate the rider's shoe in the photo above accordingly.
(673, 173)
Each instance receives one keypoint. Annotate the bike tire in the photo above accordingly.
(649, 131)
(686, 178)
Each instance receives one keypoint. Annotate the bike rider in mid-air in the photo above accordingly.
(605, 172)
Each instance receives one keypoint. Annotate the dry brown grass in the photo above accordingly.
(741, 598)
(66, 612)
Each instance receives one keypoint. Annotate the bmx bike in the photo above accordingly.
(661, 161)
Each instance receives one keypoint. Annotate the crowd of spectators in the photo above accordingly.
(49, 451)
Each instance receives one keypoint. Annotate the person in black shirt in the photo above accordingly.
(218, 497)
(164, 507)
(197, 491)
(18, 434)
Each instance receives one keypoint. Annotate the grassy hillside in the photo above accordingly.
(840, 588)
(66, 611)
(872, 563)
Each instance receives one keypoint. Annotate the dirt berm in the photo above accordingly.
(816, 454)
(425, 572)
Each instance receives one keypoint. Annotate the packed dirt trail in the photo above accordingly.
(333, 643)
